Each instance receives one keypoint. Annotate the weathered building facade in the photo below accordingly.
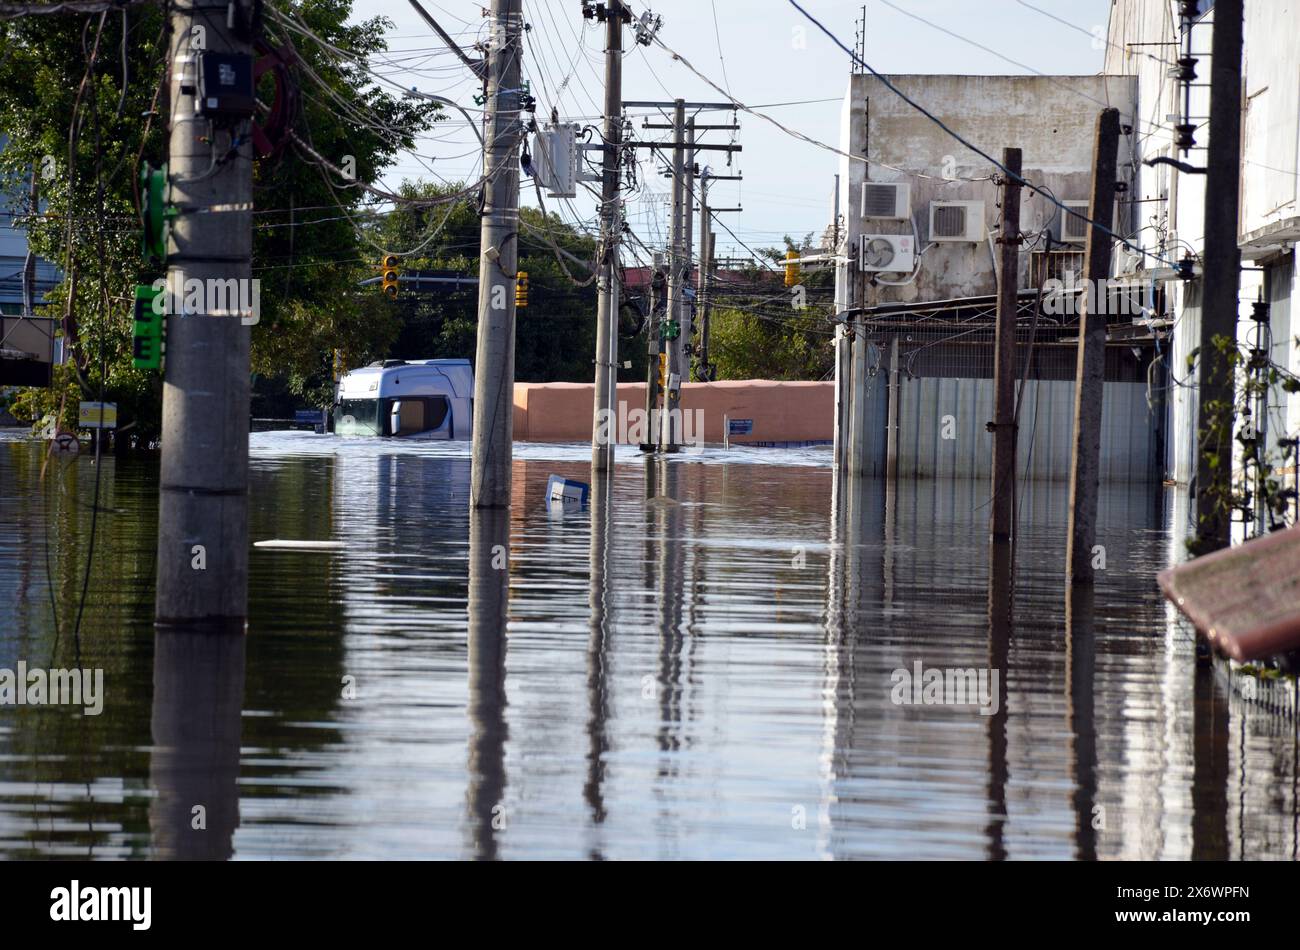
(910, 189)
(1144, 38)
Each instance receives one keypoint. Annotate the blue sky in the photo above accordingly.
(758, 53)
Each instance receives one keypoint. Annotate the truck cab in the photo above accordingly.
(406, 399)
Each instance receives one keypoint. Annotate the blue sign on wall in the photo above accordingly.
(740, 426)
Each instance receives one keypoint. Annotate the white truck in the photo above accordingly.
(406, 399)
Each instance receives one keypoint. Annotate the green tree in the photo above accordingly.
(555, 337)
(81, 103)
(761, 329)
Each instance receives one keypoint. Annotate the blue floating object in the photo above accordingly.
(566, 492)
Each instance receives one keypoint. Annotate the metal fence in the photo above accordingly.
(944, 372)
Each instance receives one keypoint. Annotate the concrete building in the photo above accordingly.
(26, 345)
(1144, 38)
(1050, 118)
(921, 218)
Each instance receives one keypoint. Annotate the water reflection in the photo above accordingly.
(600, 602)
(1081, 668)
(1001, 619)
(697, 665)
(198, 692)
(489, 600)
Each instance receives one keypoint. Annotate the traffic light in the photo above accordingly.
(147, 334)
(521, 289)
(388, 268)
(791, 268)
(663, 372)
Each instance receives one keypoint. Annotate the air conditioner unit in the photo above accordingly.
(956, 221)
(1074, 229)
(887, 253)
(887, 199)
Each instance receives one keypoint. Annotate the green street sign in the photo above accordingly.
(153, 197)
(147, 333)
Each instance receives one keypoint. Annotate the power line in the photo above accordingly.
(884, 80)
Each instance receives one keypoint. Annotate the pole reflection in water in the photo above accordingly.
(599, 600)
(1209, 769)
(669, 578)
(1081, 668)
(1001, 622)
(198, 691)
(679, 684)
(489, 592)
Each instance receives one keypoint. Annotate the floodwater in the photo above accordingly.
(699, 664)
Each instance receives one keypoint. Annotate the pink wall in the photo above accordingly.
(781, 411)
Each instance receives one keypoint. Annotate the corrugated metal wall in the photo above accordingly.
(942, 433)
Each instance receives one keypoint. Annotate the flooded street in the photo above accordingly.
(701, 663)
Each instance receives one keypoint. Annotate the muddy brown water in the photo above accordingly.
(705, 662)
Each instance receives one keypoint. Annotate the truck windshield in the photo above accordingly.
(357, 417)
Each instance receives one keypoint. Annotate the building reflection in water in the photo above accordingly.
(198, 692)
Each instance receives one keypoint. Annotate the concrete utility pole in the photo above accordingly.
(857, 414)
(602, 449)
(203, 490)
(678, 269)
(658, 308)
(1090, 372)
(1222, 267)
(702, 283)
(1002, 517)
(844, 299)
(29, 262)
(841, 443)
(494, 363)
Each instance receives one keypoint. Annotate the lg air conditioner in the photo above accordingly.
(1074, 229)
(887, 253)
(889, 200)
(956, 221)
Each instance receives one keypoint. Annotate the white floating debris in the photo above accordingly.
(284, 544)
(566, 492)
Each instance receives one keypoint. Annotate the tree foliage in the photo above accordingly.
(761, 329)
(82, 101)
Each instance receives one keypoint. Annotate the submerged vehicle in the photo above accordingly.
(407, 399)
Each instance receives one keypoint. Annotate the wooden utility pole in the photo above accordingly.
(1002, 516)
(203, 484)
(1090, 372)
(679, 267)
(494, 364)
(604, 412)
(1222, 269)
